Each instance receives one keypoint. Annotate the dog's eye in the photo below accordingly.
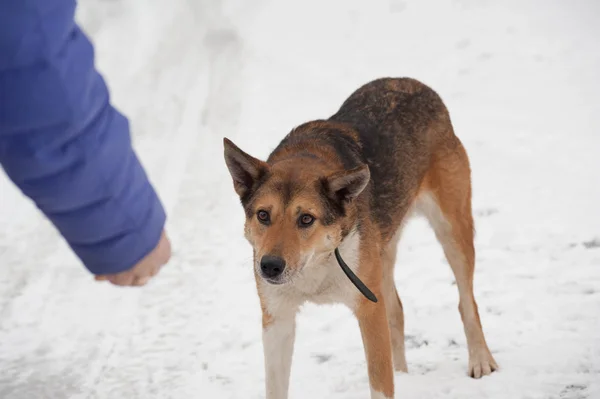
(263, 216)
(306, 220)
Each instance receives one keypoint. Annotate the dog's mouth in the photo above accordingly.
(275, 281)
(287, 277)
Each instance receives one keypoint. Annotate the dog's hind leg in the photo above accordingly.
(445, 198)
(278, 345)
(393, 305)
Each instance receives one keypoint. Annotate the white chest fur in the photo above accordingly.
(321, 281)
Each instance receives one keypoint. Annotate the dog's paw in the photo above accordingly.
(401, 367)
(400, 361)
(482, 363)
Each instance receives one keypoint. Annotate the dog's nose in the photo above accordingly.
(272, 266)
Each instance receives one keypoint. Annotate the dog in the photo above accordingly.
(324, 214)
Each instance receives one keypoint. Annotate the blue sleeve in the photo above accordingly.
(64, 145)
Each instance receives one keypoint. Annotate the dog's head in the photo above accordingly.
(297, 209)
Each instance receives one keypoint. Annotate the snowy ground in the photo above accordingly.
(521, 80)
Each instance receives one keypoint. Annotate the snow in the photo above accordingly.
(521, 81)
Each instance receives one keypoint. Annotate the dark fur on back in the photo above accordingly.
(391, 124)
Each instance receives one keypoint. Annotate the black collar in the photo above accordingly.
(354, 278)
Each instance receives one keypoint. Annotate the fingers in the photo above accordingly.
(129, 278)
(122, 279)
(140, 281)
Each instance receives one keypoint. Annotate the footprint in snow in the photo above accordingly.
(486, 212)
(322, 357)
(412, 341)
(464, 43)
(424, 368)
(574, 391)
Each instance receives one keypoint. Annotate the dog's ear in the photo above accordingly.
(245, 170)
(348, 184)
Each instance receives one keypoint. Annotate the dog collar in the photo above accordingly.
(354, 278)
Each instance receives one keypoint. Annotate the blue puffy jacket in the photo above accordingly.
(64, 145)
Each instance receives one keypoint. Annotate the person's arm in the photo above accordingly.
(64, 145)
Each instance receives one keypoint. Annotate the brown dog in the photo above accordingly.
(343, 188)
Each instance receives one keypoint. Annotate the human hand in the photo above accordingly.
(145, 269)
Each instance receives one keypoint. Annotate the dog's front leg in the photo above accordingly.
(279, 333)
(375, 332)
